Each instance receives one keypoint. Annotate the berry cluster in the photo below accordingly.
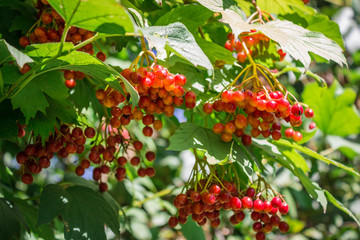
(65, 141)
(256, 43)
(50, 28)
(263, 112)
(111, 154)
(205, 202)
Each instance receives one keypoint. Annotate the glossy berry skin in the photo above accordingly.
(267, 206)
(241, 57)
(235, 203)
(247, 202)
(70, 83)
(309, 113)
(257, 226)
(250, 192)
(258, 205)
(284, 208)
(260, 236)
(215, 189)
(297, 136)
(289, 132)
(297, 110)
(276, 202)
(312, 125)
(227, 96)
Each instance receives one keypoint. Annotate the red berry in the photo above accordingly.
(260, 236)
(90, 132)
(258, 205)
(312, 125)
(246, 139)
(135, 161)
(267, 206)
(24, 41)
(208, 108)
(247, 202)
(284, 208)
(27, 178)
(215, 189)
(241, 57)
(257, 226)
(289, 132)
(297, 136)
(190, 97)
(138, 145)
(226, 96)
(70, 83)
(150, 156)
(21, 157)
(276, 202)
(235, 203)
(250, 192)
(309, 113)
(255, 216)
(180, 80)
(173, 221)
(275, 220)
(101, 56)
(79, 171)
(103, 187)
(297, 110)
(283, 227)
(141, 172)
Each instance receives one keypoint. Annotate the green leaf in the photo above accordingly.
(32, 99)
(42, 52)
(106, 16)
(53, 200)
(349, 148)
(340, 206)
(190, 136)
(221, 5)
(11, 220)
(192, 16)
(284, 6)
(311, 153)
(8, 126)
(217, 55)
(30, 214)
(296, 159)
(176, 38)
(134, 95)
(294, 39)
(192, 231)
(334, 109)
(8, 52)
(318, 23)
(85, 211)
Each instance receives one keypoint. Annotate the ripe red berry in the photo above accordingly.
(284, 208)
(21, 157)
(173, 221)
(27, 178)
(208, 108)
(25, 69)
(79, 171)
(247, 202)
(297, 110)
(258, 205)
(147, 131)
(150, 171)
(90, 132)
(215, 189)
(297, 136)
(275, 220)
(312, 125)
(180, 80)
(246, 139)
(138, 145)
(190, 97)
(267, 206)
(101, 56)
(235, 203)
(241, 57)
(135, 161)
(150, 156)
(257, 226)
(103, 187)
(227, 96)
(289, 132)
(276, 202)
(283, 227)
(255, 216)
(309, 113)
(260, 236)
(250, 192)
(70, 83)
(24, 41)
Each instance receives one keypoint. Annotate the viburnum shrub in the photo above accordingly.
(109, 92)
